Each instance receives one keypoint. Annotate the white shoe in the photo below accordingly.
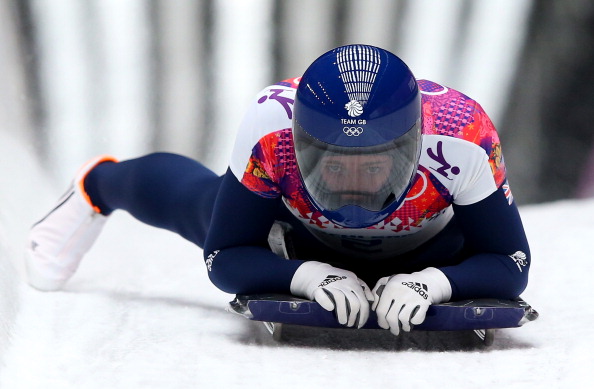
(57, 243)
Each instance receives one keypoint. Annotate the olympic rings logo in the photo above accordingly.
(352, 131)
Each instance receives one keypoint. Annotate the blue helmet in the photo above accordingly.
(357, 133)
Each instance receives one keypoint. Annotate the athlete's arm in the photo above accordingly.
(501, 260)
(236, 250)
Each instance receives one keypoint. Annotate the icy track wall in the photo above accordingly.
(24, 193)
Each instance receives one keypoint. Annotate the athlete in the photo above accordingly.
(393, 189)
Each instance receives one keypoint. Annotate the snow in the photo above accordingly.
(141, 313)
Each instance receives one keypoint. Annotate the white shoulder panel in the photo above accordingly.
(461, 166)
(272, 110)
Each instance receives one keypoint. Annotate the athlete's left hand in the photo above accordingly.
(402, 300)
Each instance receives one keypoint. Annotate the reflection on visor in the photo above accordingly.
(370, 177)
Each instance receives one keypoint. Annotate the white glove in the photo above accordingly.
(335, 290)
(402, 300)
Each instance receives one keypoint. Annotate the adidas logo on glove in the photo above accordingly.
(330, 279)
(418, 287)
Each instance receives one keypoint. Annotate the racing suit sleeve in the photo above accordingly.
(499, 265)
(236, 250)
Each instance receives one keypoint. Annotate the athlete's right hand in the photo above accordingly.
(335, 290)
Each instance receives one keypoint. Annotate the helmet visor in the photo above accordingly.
(370, 177)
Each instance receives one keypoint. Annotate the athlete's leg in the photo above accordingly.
(164, 190)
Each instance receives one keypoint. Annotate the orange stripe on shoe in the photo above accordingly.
(90, 165)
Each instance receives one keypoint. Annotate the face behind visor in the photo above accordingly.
(370, 177)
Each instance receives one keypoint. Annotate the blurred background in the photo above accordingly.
(82, 77)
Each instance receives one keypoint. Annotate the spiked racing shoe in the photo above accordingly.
(58, 242)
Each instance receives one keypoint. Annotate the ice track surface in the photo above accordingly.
(141, 313)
